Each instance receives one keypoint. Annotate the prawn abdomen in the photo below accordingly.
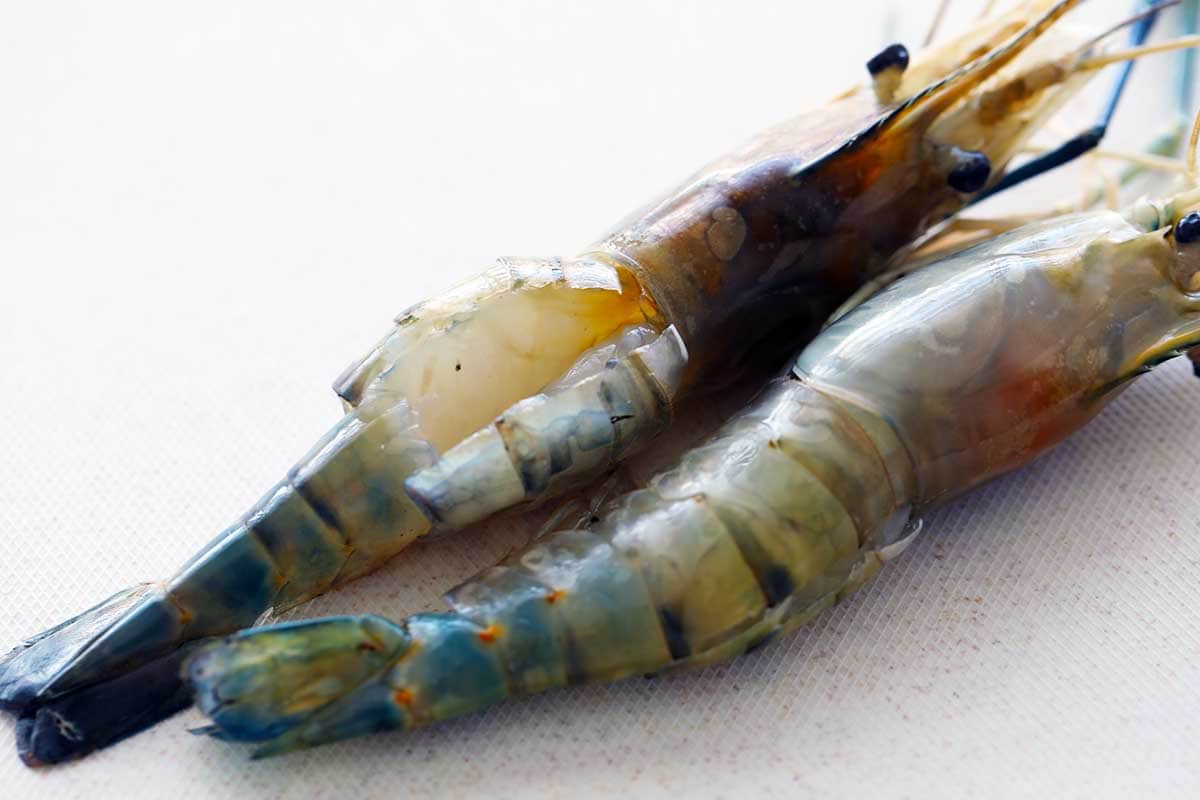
(702, 556)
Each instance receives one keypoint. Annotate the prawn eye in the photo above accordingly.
(1187, 230)
(971, 171)
(894, 55)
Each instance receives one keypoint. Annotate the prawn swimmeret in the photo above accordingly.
(584, 359)
(970, 368)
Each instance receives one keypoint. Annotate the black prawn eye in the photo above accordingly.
(894, 55)
(971, 171)
(1187, 230)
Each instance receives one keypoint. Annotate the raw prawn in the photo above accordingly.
(968, 369)
(584, 359)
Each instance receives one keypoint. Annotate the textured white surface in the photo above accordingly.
(207, 210)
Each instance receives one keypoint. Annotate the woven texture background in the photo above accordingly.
(206, 211)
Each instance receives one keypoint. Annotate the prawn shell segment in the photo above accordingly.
(354, 480)
(987, 358)
(530, 637)
(462, 358)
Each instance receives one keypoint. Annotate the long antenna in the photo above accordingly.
(1193, 141)
(936, 23)
(1142, 20)
(1133, 53)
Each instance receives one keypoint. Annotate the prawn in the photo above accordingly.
(970, 368)
(585, 358)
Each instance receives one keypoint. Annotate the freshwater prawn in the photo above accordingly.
(971, 367)
(584, 359)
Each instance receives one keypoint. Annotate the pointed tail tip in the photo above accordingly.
(95, 679)
(49, 663)
(25, 736)
(292, 686)
(92, 718)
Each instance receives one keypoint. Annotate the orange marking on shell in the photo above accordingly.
(185, 615)
(632, 287)
(413, 647)
(403, 697)
(1033, 394)
(555, 595)
(489, 634)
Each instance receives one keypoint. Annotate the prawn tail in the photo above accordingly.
(512, 632)
(261, 683)
(114, 669)
(37, 676)
(299, 685)
(97, 716)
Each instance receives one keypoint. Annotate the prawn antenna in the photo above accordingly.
(1193, 141)
(1139, 25)
(936, 22)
